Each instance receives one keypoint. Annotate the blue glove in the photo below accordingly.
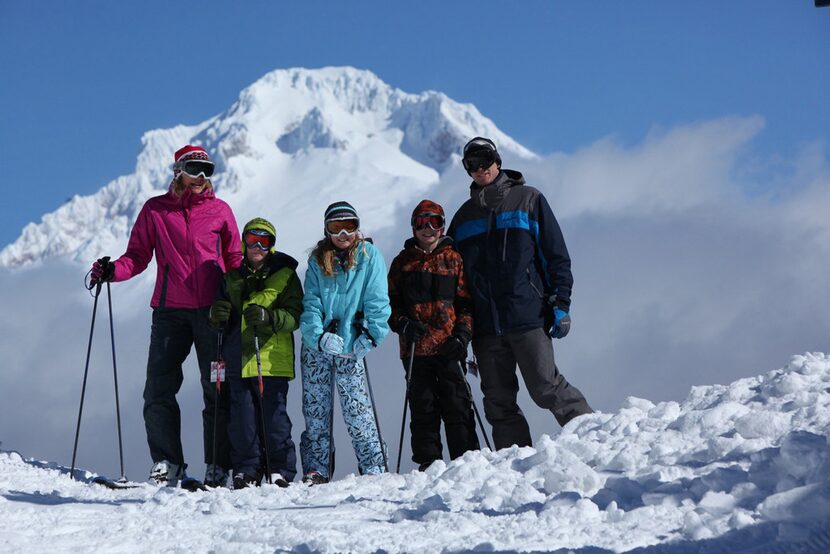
(331, 343)
(561, 323)
(362, 346)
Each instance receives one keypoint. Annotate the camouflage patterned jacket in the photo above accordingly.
(430, 288)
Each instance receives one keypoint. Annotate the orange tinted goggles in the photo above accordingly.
(433, 221)
(259, 239)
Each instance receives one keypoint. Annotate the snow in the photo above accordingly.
(295, 141)
(740, 467)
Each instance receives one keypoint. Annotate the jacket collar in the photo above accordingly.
(412, 245)
(273, 263)
(490, 196)
(188, 199)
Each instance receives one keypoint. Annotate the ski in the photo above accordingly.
(114, 484)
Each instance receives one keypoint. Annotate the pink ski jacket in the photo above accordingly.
(195, 240)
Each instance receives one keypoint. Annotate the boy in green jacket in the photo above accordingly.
(261, 300)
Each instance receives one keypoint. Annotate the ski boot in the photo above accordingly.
(166, 473)
(314, 478)
(216, 476)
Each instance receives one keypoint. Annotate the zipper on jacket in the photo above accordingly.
(504, 248)
(534, 287)
(163, 295)
(219, 253)
(190, 252)
(494, 310)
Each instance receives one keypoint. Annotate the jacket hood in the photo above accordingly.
(428, 206)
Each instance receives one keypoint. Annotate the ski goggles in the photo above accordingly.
(344, 228)
(194, 168)
(256, 238)
(482, 159)
(433, 221)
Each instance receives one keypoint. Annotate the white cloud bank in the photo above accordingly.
(695, 262)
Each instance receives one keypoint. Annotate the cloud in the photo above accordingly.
(690, 266)
(696, 261)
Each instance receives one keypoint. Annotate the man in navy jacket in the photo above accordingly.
(519, 274)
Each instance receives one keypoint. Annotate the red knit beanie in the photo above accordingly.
(190, 152)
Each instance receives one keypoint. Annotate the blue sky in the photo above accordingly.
(82, 81)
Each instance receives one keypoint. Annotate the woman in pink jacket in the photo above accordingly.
(195, 240)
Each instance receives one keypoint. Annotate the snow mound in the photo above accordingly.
(744, 466)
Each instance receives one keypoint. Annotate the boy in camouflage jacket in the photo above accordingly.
(431, 311)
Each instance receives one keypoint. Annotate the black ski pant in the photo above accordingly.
(437, 392)
(245, 425)
(175, 331)
(532, 350)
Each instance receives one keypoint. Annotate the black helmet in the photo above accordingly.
(480, 152)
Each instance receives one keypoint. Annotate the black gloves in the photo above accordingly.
(455, 347)
(254, 315)
(220, 312)
(257, 316)
(103, 270)
(411, 329)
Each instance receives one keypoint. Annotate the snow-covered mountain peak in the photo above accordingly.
(297, 135)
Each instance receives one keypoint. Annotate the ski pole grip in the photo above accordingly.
(97, 286)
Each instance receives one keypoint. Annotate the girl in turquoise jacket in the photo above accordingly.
(345, 315)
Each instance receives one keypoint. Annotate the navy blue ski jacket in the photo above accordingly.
(515, 259)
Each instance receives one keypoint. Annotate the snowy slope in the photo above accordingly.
(295, 141)
(743, 467)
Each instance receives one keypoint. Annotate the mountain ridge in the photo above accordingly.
(283, 128)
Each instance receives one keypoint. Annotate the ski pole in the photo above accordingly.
(115, 380)
(86, 372)
(218, 393)
(332, 327)
(472, 402)
(262, 408)
(405, 403)
(375, 414)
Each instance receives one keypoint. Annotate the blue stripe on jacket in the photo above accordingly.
(517, 219)
(470, 229)
(520, 219)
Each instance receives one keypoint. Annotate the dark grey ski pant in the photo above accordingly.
(175, 331)
(532, 350)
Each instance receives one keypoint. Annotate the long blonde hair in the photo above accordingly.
(325, 251)
(179, 186)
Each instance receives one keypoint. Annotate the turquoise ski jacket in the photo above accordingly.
(344, 296)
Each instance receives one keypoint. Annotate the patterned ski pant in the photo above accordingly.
(355, 403)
